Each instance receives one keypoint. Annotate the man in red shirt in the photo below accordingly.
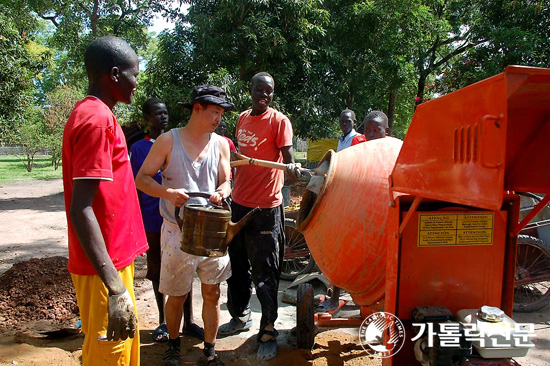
(105, 227)
(256, 253)
(221, 130)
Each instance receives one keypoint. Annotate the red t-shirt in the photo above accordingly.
(231, 144)
(231, 148)
(94, 147)
(358, 139)
(261, 137)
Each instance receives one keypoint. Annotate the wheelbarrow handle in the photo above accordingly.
(225, 205)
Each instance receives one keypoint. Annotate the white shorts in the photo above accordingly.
(178, 267)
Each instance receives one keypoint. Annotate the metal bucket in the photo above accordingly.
(204, 230)
(207, 230)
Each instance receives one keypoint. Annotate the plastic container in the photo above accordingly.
(499, 338)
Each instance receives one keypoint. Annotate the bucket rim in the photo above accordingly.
(205, 208)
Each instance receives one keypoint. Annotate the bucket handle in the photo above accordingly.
(224, 205)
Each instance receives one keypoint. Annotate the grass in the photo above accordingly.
(12, 169)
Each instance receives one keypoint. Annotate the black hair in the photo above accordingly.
(347, 110)
(377, 116)
(104, 53)
(260, 74)
(148, 105)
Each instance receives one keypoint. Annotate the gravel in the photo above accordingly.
(37, 291)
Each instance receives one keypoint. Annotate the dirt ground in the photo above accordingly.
(34, 226)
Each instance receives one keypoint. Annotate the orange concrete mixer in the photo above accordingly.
(432, 224)
(345, 224)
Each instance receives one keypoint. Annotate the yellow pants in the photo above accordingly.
(92, 298)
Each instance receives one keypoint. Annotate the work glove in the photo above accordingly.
(122, 318)
(294, 170)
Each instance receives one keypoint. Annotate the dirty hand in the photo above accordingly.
(122, 319)
(294, 170)
(178, 197)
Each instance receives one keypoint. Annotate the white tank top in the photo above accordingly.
(183, 172)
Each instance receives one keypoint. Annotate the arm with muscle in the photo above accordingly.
(158, 158)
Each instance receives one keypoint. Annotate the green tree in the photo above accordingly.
(238, 39)
(59, 105)
(77, 23)
(20, 63)
(517, 34)
(365, 55)
(369, 56)
(29, 134)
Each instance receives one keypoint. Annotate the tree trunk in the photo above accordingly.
(349, 101)
(30, 162)
(391, 108)
(420, 89)
(94, 18)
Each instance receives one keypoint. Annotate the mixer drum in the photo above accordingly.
(345, 224)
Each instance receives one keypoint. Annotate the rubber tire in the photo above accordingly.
(290, 225)
(524, 240)
(305, 322)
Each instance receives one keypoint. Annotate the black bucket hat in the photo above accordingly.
(208, 94)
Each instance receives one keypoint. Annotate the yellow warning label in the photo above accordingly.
(438, 222)
(484, 236)
(455, 229)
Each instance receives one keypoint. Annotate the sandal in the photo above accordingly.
(267, 349)
(160, 334)
(233, 327)
(215, 361)
(194, 331)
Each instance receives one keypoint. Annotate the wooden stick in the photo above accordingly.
(257, 162)
(245, 160)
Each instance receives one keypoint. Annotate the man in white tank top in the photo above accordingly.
(192, 158)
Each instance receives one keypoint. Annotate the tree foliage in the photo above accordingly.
(29, 135)
(365, 55)
(59, 105)
(19, 66)
(325, 56)
(77, 22)
(241, 38)
(514, 33)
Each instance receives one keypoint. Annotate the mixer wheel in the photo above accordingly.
(305, 323)
(297, 258)
(532, 289)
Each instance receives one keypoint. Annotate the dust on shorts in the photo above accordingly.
(178, 267)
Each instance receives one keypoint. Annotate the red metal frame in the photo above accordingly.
(470, 149)
(469, 146)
